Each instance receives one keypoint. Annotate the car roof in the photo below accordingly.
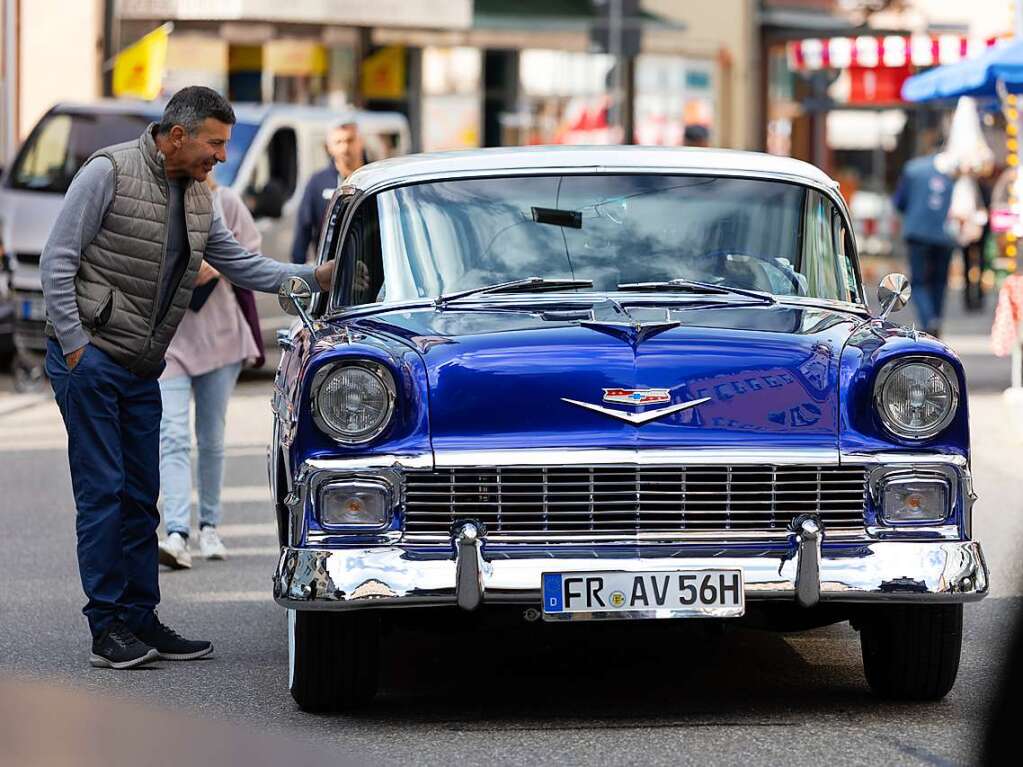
(532, 159)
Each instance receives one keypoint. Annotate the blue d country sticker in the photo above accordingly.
(552, 593)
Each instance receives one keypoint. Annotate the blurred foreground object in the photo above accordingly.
(100, 731)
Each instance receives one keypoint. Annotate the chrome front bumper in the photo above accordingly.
(808, 572)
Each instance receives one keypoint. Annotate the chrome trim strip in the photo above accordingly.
(903, 458)
(422, 461)
(645, 457)
(675, 456)
(386, 577)
(723, 537)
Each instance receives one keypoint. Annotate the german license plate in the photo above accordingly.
(33, 309)
(674, 594)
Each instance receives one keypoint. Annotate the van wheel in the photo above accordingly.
(334, 659)
(911, 652)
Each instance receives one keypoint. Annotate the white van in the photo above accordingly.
(274, 144)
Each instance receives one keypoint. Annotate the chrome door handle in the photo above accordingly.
(284, 340)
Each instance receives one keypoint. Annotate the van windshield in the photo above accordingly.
(63, 141)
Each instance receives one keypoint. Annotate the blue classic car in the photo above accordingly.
(613, 383)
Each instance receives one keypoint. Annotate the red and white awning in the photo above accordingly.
(891, 51)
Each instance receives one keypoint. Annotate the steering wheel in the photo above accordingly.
(795, 280)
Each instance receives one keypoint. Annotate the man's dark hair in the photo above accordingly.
(190, 107)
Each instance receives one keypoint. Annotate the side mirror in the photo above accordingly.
(295, 297)
(893, 293)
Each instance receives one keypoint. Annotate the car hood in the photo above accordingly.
(501, 378)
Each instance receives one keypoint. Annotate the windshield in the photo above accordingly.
(430, 239)
(62, 142)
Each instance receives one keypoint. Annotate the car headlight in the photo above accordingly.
(353, 402)
(916, 398)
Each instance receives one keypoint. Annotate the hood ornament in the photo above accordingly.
(633, 331)
(637, 419)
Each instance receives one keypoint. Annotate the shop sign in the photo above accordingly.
(433, 14)
(294, 58)
(873, 85)
(383, 74)
(890, 51)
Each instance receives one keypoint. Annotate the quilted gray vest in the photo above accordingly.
(118, 279)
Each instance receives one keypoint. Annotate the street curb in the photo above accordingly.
(17, 402)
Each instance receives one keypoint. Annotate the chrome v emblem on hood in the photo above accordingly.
(639, 418)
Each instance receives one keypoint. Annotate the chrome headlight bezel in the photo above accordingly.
(940, 366)
(379, 372)
(355, 484)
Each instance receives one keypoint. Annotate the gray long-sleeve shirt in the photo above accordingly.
(77, 224)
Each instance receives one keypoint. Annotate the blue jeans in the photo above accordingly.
(928, 270)
(112, 417)
(212, 392)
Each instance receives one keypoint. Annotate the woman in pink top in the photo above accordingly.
(217, 335)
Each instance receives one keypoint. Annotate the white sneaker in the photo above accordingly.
(210, 545)
(174, 552)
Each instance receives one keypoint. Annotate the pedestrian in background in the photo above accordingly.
(118, 271)
(219, 332)
(344, 145)
(922, 196)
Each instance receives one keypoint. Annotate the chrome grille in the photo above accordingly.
(627, 500)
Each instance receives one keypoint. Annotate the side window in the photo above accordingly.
(362, 270)
(275, 176)
(843, 251)
(327, 247)
(820, 262)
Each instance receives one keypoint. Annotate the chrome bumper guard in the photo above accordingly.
(808, 573)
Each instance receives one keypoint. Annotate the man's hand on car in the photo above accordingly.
(325, 273)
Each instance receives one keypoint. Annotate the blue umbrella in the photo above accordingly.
(972, 77)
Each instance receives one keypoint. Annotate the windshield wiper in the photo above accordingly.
(528, 285)
(692, 286)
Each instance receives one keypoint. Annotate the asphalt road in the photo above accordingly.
(523, 693)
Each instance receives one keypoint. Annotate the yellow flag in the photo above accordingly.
(138, 69)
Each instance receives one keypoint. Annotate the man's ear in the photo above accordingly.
(177, 135)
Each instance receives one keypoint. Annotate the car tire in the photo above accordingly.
(911, 652)
(334, 659)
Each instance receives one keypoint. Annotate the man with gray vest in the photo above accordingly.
(118, 272)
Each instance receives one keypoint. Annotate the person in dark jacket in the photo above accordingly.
(344, 145)
(922, 197)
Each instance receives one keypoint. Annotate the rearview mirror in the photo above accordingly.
(893, 293)
(295, 298)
